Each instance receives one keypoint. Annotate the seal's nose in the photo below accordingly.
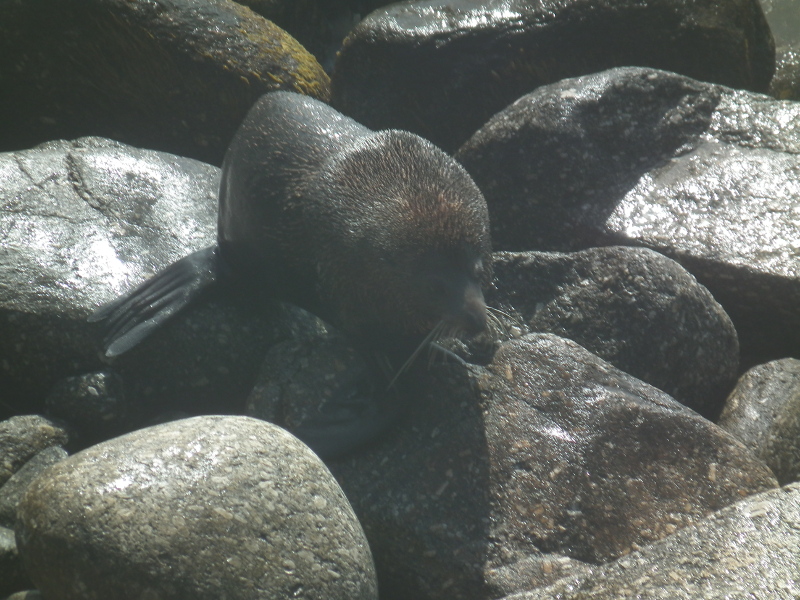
(473, 310)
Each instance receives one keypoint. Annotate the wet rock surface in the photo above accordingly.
(764, 412)
(208, 507)
(23, 437)
(704, 174)
(633, 307)
(548, 452)
(83, 221)
(748, 550)
(535, 465)
(441, 69)
(176, 76)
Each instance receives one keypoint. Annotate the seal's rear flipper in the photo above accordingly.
(135, 315)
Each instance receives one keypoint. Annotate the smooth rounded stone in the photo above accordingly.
(764, 412)
(11, 491)
(704, 174)
(12, 574)
(747, 550)
(83, 221)
(547, 453)
(23, 437)
(176, 76)
(785, 85)
(634, 308)
(94, 404)
(209, 507)
(442, 68)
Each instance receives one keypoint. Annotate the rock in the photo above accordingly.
(177, 76)
(319, 387)
(785, 85)
(319, 26)
(783, 18)
(764, 412)
(748, 550)
(210, 507)
(699, 172)
(12, 575)
(634, 308)
(83, 221)
(93, 403)
(441, 69)
(23, 437)
(11, 491)
(549, 452)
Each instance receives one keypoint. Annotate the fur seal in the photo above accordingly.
(380, 233)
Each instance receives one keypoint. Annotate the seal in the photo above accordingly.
(379, 233)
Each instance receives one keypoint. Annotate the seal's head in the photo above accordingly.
(416, 253)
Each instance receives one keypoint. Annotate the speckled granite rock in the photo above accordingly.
(704, 174)
(210, 507)
(785, 85)
(23, 437)
(176, 75)
(634, 308)
(11, 491)
(748, 550)
(94, 404)
(85, 220)
(442, 68)
(549, 452)
(764, 412)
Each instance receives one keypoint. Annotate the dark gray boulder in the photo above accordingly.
(764, 412)
(702, 173)
(177, 75)
(442, 68)
(210, 507)
(23, 437)
(785, 85)
(505, 477)
(85, 220)
(748, 550)
(11, 491)
(634, 308)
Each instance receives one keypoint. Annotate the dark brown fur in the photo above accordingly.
(380, 233)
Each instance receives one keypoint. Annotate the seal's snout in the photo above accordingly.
(472, 316)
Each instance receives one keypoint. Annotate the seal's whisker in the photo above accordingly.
(428, 338)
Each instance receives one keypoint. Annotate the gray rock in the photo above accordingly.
(210, 507)
(23, 437)
(93, 403)
(748, 550)
(634, 308)
(785, 85)
(11, 491)
(177, 76)
(549, 452)
(443, 68)
(83, 221)
(704, 174)
(764, 412)
(12, 575)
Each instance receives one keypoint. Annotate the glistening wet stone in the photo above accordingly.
(206, 508)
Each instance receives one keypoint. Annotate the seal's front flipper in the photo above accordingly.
(135, 315)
